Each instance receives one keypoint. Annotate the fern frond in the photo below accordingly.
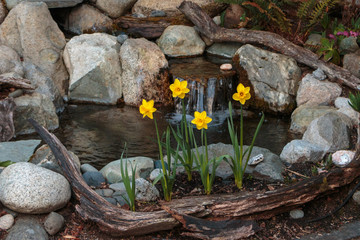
(305, 7)
(320, 9)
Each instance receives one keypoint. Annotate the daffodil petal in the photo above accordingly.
(183, 84)
(203, 115)
(208, 120)
(247, 89)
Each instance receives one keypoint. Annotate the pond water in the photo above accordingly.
(97, 134)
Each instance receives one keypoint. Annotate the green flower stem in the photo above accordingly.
(185, 127)
(165, 177)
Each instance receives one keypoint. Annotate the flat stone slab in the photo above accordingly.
(19, 151)
(347, 231)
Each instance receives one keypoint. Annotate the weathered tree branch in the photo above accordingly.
(119, 222)
(208, 28)
(7, 129)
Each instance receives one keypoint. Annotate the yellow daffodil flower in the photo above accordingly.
(243, 94)
(147, 108)
(201, 120)
(179, 89)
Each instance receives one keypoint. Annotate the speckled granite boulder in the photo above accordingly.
(27, 188)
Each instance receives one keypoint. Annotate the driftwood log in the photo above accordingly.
(7, 129)
(21, 83)
(206, 26)
(119, 222)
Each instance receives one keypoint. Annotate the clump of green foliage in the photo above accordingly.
(264, 13)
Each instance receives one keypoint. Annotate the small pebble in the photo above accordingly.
(16, 93)
(343, 157)
(111, 200)
(53, 223)
(157, 13)
(87, 168)
(226, 66)
(296, 214)
(356, 197)
(319, 74)
(122, 38)
(6, 221)
(155, 173)
(105, 192)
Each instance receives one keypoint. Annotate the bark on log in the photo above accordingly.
(207, 27)
(7, 129)
(21, 83)
(146, 28)
(118, 222)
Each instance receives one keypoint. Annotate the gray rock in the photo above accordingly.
(30, 30)
(313, 40)
(314, 92)
(38, 107)
(269, 169)
(144, 72)
(330, 131)
(16, 93)
(43, 157)
(348, 45)
(145, 191)
(342, 158)
(19, 151)
(157, 164)
(296, 214)
(27, 188)
(356, 197)
(146, 7)
(217, 20)
(53, 223)
(305, 114)
(27, 229)
(94, 179)
(115, 8)
(181, 41)
(155, 173)
(111, 200)
(344, 107)
(3, 12)
(121, 38)
(274, 77)
(225, 50)
(50, 3)
(94, 67)
(121, 199)
(6, 221)
(86, 18)
(105, 192)
(87, 168)
(157, 13)
(351, 62)
(119, 188)
(44, 84)
(319, 74)
(112, 172)
(299, 151)
(10, 61)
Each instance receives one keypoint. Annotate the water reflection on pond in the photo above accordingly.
(97, 134)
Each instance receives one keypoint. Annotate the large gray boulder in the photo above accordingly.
(300, 151)
(144, 72)
(314, 92)
(112, 172)
(351, 62)
(10, 61)
(30, 30)
(274, 77)
(331, 131)
(44, 85)
(27, 188)
(86, 18)
(18, 151)
(114, 8)
(342, 104)
(304, 115)
(170, 7)
(94, 66)
(50, 3)
(27, 228)
(181, 41)
(145, 191)
(38, 107)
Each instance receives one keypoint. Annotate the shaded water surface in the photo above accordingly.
(97, 134)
